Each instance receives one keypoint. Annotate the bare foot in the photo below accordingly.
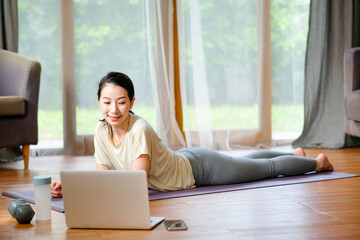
(299, 152)
(323, 164)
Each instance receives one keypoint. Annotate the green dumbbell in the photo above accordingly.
(21, 211)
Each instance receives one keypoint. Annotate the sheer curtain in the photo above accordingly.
(161, 59)
(199, 86)
(218, 46)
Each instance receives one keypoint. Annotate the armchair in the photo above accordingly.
(352, 91)
(19, 97)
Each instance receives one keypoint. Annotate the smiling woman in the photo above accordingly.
(125, 141)
(116, 99)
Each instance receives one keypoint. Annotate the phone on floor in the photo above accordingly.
(172, 225)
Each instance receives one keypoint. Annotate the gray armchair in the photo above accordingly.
(352, 91)
(19, 97)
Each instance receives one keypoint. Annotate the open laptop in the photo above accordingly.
(107, 199)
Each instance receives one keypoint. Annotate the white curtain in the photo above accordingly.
(227, 72)
(201, 99)
(218, 72)
(161, 59)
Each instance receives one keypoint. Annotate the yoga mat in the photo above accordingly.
(58, 205)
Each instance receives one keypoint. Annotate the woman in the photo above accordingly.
(125, 141)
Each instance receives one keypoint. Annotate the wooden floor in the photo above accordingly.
(319, 210)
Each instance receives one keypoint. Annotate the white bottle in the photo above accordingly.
(42, 197)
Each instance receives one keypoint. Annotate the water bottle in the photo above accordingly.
(42, 197)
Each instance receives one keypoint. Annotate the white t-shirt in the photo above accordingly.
(169, 170)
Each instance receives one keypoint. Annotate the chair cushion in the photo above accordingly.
(12, 106)
(352, 105)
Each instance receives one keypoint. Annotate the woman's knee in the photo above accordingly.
(266, 154)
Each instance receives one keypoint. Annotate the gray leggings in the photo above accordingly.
(213, 168)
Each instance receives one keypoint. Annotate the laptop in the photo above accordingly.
(110, 199)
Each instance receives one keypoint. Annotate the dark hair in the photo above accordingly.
(118, 79)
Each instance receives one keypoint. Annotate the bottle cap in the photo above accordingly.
(41, 180)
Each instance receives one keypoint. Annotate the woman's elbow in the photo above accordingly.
(101, 167)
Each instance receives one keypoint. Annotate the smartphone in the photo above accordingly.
(175, 225)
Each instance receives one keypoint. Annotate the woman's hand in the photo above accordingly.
(142, 163)
(56, 189)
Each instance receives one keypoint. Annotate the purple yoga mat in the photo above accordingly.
(58, 205)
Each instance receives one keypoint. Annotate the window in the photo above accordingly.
(110, 36)
(289, 28)
(219, 64)
(39, 38)
(219, 52)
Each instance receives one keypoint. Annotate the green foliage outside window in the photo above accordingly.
(102, 43)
